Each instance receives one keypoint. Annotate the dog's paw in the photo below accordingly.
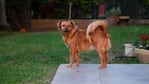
(76, 65)
(69, 65)
(101, 67)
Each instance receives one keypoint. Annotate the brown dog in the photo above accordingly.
(78, 40)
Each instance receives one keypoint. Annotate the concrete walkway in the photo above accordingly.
(113, 74)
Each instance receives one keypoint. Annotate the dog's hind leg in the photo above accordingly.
(103, 58)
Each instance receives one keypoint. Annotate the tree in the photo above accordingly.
(19, 13)
(3, 19)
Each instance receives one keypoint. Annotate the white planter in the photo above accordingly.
(142, 54)
(129, 50)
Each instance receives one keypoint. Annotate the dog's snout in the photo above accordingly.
(65, 30)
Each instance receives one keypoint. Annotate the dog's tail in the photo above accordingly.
(97, 32)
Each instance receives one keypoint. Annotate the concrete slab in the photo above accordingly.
(85, 74)
(125, 74)
(113, 74)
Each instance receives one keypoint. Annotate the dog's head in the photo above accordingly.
(66, 26)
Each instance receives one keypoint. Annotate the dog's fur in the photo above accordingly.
(78, 40)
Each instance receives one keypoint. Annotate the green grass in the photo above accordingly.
(32, 58)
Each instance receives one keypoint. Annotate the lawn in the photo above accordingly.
(33, 57)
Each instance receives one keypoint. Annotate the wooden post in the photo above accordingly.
(70, 7)
(94, 10)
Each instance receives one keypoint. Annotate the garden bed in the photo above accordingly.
(142, 54)
(51, 24)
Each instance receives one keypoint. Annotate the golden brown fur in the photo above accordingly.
(78, 40)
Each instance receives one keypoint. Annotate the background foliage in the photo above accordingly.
(20, 12)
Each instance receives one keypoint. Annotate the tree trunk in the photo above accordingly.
(3, 20)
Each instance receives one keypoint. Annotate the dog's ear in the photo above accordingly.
(59, 24)
(73, 24)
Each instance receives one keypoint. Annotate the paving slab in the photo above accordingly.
(125, 74)
(85, 74)
(113, 74)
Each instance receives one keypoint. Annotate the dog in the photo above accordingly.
(79, 40)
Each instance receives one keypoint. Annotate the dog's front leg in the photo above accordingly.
(77, 59)
(71, 59)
